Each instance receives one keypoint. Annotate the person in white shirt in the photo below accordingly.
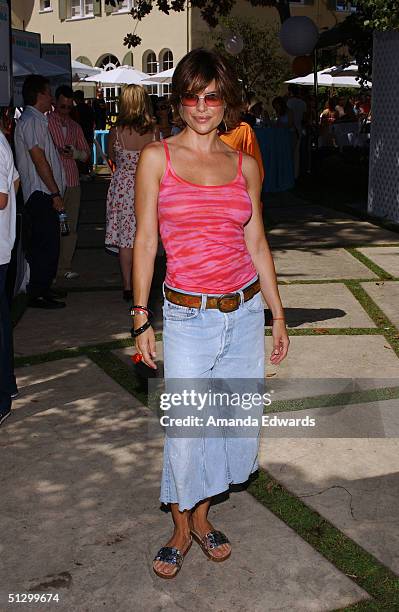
(9, 181)
(43, 185)
(299, 110)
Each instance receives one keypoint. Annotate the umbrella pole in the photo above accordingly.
(316, 98)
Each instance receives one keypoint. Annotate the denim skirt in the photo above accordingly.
(208, 344)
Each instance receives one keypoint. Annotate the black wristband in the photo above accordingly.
(55, 195)
(140, 330)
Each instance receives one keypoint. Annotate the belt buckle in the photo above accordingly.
(228, 296)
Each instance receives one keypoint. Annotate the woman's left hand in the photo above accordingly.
(281, 342)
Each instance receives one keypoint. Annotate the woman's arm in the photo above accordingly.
(111, 143)
(262, 259)
(148, 176)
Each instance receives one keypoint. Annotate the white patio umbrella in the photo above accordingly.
(81, 71)
(336, 76)
(123, 75)
(160, 77)
(344, 71)
(25, 63)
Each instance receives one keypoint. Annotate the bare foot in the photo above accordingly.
(179, 540)
(202, 526)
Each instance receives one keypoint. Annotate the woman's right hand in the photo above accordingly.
(145, 342)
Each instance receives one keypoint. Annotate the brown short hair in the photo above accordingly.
(196, 70)
(33, 85)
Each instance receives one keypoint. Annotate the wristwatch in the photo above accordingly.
(55, 195)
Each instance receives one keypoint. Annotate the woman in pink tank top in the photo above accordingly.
(204, 197)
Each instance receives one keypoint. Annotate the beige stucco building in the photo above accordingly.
(96, 33)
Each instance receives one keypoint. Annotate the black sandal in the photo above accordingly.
(173, 556)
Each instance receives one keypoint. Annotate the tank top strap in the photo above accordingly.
(165, 146)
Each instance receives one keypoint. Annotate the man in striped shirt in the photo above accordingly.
(71, 144)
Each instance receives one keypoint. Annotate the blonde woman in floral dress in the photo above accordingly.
(133, 130)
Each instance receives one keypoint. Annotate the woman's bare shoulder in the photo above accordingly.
(152, 158)
(250, 166)
(154, 150)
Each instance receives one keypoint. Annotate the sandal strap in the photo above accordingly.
(169, 554)
(213, 539)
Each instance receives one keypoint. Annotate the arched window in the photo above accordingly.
(166, 60)
(108, 62)
(84, 60)
(128, 59)
(111, 94)
(151, 64)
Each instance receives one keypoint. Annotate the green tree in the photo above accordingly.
(211, 11)
(356, 31)
(260, 65)
(380, 14)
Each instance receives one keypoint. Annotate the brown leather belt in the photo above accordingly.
(225, 303)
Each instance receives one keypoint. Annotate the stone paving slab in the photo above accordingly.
(92, 211)
(80, 509)
(310, 370)
(91, 235)
(367, 420)
(385, 257)
(296, 232)
(318, 264)
(96, 267)
(328, 363)
(386, 296)
(89, 318)
(329, 305)
(304, 211)
(353, 483)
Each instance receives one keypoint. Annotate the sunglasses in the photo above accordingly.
(210, 99)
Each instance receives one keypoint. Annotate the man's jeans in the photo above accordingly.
(7, 378)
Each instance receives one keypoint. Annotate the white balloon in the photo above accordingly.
(299, 35)
(234, 44)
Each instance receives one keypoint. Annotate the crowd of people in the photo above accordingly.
(47, 145)
(195, 180)
(341, 110)
(53, 142)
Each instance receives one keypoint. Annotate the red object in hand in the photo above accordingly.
(136, 357)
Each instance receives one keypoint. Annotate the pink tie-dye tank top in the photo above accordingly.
(202, 230)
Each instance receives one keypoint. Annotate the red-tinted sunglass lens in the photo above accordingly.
(213, 100)
(189, 100)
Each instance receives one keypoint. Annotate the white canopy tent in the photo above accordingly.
(164, 77)
(81, 71)
(123, 75)
(25, 63)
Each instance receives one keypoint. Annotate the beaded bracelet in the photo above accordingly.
(141, 309)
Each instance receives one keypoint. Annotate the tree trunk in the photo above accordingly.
(283, 8)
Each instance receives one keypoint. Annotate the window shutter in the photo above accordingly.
(62, 9)
(97, 8)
